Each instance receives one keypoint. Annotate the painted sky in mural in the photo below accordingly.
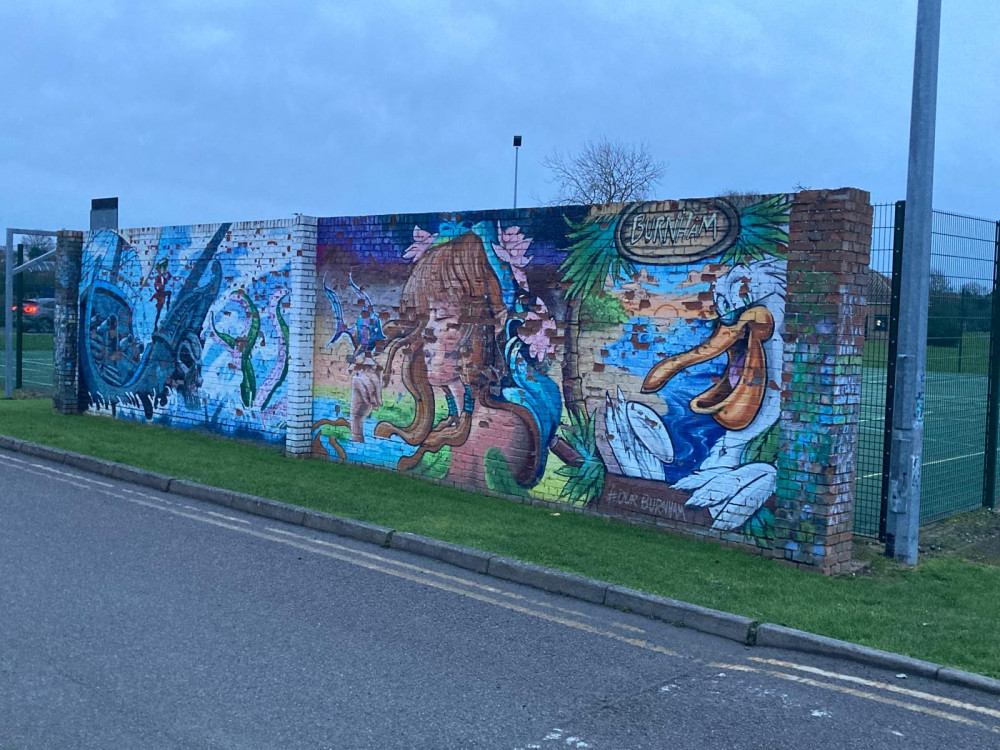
(622, 357)
(187, 327)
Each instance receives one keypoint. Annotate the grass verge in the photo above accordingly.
(944, 611)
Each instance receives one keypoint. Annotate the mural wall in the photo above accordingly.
(623, 358)
(187, 326)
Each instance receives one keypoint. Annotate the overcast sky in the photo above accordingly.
(212, 110)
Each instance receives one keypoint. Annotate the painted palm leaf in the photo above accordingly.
(763, 231)
(592, 256)
(585, 482)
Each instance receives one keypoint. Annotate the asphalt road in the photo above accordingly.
(133, 619)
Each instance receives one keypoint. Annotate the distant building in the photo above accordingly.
(878, 292)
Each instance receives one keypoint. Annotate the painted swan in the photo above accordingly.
(731, 482)
(637, 437)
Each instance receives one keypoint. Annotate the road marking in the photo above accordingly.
(956, 718)
(929, 463)
(223, 515)
(71, 474)
(151, 497)
(576, 625)
(881, 685)
(623, 626)
(315, 546)
(953, 458)
(50, 476)
(426, 571)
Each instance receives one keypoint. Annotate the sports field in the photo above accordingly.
(954, 436)
(36, 372)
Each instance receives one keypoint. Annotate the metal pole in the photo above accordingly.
(19, 320)
(961, 328)
(8, 320)
(993, 386)
(899, 219)
(903, 521)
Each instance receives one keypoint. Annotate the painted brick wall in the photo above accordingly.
(66, 322)
(623, 359)
(688, 364)
(188, 326)
(828, 256)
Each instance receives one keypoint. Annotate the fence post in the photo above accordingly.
(19, 318)
(890, 373)
(66, 322)
(829, 240)
(993, 386)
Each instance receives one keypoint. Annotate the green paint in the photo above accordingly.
(248, 386)
(284, 335)
(599, 312)
(759, 530)
(764, 447)
(337, 433)
(434, 465)
(592, 256)
(498, 475)
(585, 482)
(763, 231)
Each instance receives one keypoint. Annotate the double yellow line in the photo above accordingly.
(802, 674)
(868, 695)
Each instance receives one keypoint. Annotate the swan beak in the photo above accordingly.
(735, 400)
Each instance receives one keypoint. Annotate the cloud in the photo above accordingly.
(198, 110)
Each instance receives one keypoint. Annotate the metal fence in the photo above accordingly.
(963, 368)
(32, 329)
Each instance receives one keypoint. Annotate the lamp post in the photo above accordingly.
(906, 455)
(517, 148)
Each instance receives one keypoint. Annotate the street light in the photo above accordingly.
(517, 146)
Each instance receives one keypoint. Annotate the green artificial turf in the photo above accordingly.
(33, 342)
(946, 610)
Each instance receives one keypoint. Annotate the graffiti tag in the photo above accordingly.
(676, 232)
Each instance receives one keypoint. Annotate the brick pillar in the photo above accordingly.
(828, 251)
(66, 321)
(301, 331)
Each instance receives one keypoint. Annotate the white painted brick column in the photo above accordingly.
(301, 331)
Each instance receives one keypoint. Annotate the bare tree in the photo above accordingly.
(604, 171)
(939, 283)
(35, 245)
(742, 198)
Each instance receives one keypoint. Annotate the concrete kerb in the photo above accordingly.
(359, 530)
(547, 579)
(723, 624)
(43, 451)
(714, 622)
(969, 680)
(464, 557)
(257, 506)
(11, 444)
(777, 636)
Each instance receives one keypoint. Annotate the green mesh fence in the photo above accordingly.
(37, 321)
(963, 256)
(963, 266)
(871, 429)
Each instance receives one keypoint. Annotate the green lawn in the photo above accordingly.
(972, 357)
(945, 611)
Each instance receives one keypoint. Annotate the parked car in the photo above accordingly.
(38, 314)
